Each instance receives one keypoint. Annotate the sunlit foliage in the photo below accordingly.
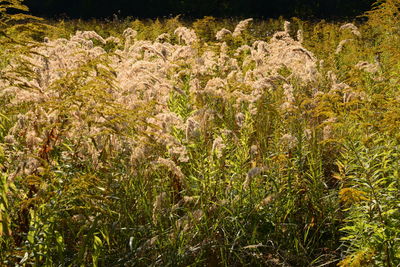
(214, 143)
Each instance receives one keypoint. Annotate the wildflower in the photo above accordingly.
(87, 35)
(168, 121)
(194, 86)
(235, 76)
(179, 153)
(288, 92)
(254, 172)
(78, 218)
(336, 86)
(260, 46)
(363, 257)
(222, 33)
(242, 49)
(187, 35)
(263, 84)
(321, 64)
(192, 129)
(368, 67)
(300, 37)
(307, 134)
(197, 215)
(353, 29)
(215, 87)
(340, 46)
(9, 139)
(176, 170)
(253, 151)
(32, 140)
(163, 37)
(327, 131)
(129, 33)
(253, 109)
(282, 50)
(286, 27)
(31, 165)
(218, 146)
(137, 154)
(351, 195)
(158, 206)
(250, 175)
(183, 53)
(289, 98)
(187, 200)
(289, 141)
(113, 39)
(267, 200)
(239, 119)
(242, 25)
(149, 243)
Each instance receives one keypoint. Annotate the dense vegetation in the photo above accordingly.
(213, 142)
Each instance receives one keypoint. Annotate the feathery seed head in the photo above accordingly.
(222, 33)
(353, 29)
(218, 147)
(187, 35)
(242, 25)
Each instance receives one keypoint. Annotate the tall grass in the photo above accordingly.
(205, 143)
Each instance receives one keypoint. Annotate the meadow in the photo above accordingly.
(214, 142)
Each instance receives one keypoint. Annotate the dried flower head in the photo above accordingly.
(368, 67)
(129, 32)
(340, 46)
(242, 25)
(300, 36)
(192, 129)
(254, 151)
(158, 206)
(289, 141)
(265, 201)
(187, 35)
(284, 51)
(9, 139)
(353, 29)
(240, 118)
(164, 37)
(173, 168)
(250, 175)
(286, 27)
(218, 146)
(328, 128)
(222, 33)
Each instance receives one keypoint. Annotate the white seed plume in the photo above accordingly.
(242, 25)
(222, 33)
(218, 146)
(286, 27)
(187, 35)
(353, 29)
(340, 46)
(368, 67)
(288, 141)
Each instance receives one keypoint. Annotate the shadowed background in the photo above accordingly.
(329, 9)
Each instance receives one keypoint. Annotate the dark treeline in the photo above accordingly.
(335, 9)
